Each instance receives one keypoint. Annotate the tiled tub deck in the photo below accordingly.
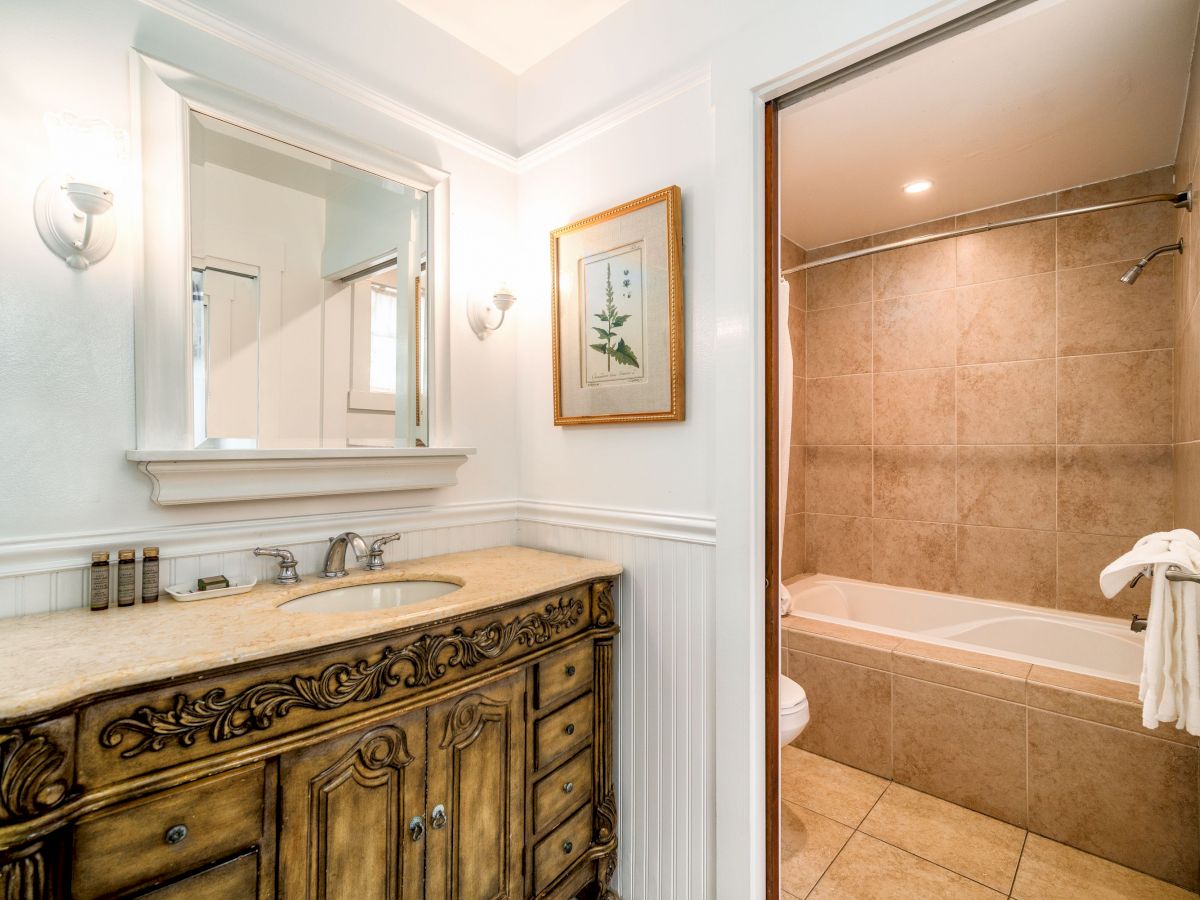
(1061, 754)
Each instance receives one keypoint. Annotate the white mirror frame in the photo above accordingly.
(163, 95)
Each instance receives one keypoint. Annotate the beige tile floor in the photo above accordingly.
(849, 835)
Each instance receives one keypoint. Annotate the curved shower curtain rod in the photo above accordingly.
(1181, 200)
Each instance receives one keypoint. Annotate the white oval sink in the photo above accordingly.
(365, 597)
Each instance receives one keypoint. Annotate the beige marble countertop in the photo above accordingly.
(52, 659)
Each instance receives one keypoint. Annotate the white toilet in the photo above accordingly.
(793, 710)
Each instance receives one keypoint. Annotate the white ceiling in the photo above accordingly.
(1059, 93)
(514, 33)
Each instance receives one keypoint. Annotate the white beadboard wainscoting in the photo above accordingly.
(665, 607)
(664, 738)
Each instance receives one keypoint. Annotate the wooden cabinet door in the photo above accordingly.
(346, 806)
(477, 776)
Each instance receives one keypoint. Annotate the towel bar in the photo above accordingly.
(1174, 573)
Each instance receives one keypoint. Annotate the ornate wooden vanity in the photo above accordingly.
(468, 757)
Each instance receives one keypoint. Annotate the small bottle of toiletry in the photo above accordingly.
(125, 567)
(98, 581)
(149, 574)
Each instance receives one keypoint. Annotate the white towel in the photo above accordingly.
(1170, 683)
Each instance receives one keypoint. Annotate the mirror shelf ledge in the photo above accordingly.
(180, 477)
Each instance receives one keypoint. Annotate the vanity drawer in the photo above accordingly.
(555, 854)
(561, 731)
(167, 834)
(231, 880)
(564, 673)
(562, 789)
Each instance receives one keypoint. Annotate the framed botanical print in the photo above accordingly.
(618, 314)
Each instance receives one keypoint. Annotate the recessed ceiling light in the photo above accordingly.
(918, 187)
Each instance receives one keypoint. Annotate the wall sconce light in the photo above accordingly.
(480, 314)
(70, 205)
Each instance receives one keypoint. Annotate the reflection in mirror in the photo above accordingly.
(308, 297)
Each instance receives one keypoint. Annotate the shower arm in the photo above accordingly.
(1181, 200)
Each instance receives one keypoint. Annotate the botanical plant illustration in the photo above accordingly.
(613, 320)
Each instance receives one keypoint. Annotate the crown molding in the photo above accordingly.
(644, 102)
(262, 47)
(191, 13)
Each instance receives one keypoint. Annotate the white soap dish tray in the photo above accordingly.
(185, 592)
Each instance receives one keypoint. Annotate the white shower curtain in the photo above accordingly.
(785, 429)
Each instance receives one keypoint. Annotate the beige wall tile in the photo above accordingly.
(1187, 394)
(1030, 206)
(1081, 557)
(913, 554)
(1006, 403)
(1096, 700)
(871, 648)
(1151, 181)
(960, 746)
(840, 283)
(790, 253)
(1115, 398)
(1009, 486)
(1003, 321)
(794, 501)
(808, 844)
(914, 483)
(838, 545)
(858, 734)
(839, 410)
(792, 562)
(837, 480)
(952, 667)
(916, 332)
(1114, 234)
(970, 843)
(914, 407)
(839, 341)
(797, 332)
(1007, 564)
(1187, 486)
(799, 411)
(867, 867)
(1116, 489)
(1052, 870)
(914, 270)
(839, 792)
(1099, 314)
(1006, 253)
(1128, 798)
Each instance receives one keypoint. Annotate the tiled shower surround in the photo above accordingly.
(990, 415)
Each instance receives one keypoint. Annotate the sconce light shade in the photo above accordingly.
(70, 204)
(479, 314)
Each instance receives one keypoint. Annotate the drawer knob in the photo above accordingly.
(568, 846)
(416, 828)
(175, 834)
(570, 729)
(438, 819)
(570, 671)
(568, 787)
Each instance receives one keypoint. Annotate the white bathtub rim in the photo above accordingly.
(1107, 624)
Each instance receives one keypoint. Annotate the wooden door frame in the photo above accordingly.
(773, 537)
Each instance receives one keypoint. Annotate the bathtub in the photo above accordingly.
(1091, 645)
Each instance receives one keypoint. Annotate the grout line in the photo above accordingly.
(1020, 856)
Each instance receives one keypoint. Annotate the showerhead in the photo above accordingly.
(1135, 271)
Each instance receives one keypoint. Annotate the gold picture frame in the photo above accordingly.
(630, 366)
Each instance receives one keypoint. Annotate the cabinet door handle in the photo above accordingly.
(175, 834)
(570, 729)
(570, 671)
(416, 828)
(568, 846)
(568, 787)
(438, 819)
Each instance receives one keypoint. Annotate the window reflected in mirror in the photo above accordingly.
(308, 297)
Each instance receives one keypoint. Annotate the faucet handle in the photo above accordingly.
(375, 557)
(287, 563)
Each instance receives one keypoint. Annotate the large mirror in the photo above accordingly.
(308, 306)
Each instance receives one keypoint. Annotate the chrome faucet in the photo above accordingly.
(335, 556)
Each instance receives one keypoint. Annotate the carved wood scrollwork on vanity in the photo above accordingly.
(33, 776)
(256, 708)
